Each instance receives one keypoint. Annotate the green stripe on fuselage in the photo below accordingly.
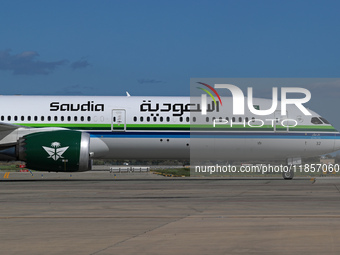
(181, 127)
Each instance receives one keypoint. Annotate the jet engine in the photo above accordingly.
(56, 151)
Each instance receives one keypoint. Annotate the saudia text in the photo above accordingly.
(90, 106)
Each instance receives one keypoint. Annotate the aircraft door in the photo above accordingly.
(118, 120)
(279, 121)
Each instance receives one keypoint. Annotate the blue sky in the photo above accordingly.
(155, 47)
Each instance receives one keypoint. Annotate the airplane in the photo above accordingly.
(65, 133)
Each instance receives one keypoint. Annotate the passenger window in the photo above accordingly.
(9, 118)
(147, 119)
(135, 119)
(68, 118)
(82, 118)
(89, 118)
(55, 118)
(35, 118)
(168, 119)
(181, 119)
(207, 119)
(22, 118)
(2, 118)
(15, 118)
(194, 119)
(233, 119)
(49, 118)
(42, 118)
(75, 118)
(240, 119)
(161, 119)
(154, 119)
(188, 119)
(141, 118)
(62, 118)
(29, 118)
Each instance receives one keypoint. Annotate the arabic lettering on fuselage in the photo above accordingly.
(177, 109)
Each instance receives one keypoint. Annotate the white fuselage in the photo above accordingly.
(169, 127)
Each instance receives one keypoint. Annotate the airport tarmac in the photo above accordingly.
(143, 213)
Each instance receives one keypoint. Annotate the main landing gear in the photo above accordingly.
(289, 174)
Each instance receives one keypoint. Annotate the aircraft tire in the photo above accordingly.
(288, 175)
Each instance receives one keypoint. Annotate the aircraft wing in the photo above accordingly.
(8, 127)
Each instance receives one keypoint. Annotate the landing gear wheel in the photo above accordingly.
(288, 175)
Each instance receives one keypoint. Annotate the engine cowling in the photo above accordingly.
(57, 151)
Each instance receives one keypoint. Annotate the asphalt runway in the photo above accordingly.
(142, 213)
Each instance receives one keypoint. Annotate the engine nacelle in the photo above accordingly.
(57, 151)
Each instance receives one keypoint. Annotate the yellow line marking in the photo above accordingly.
(6, 175)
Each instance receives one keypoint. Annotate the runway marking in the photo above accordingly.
(6, 175)
(176, 217)
(337, 188)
